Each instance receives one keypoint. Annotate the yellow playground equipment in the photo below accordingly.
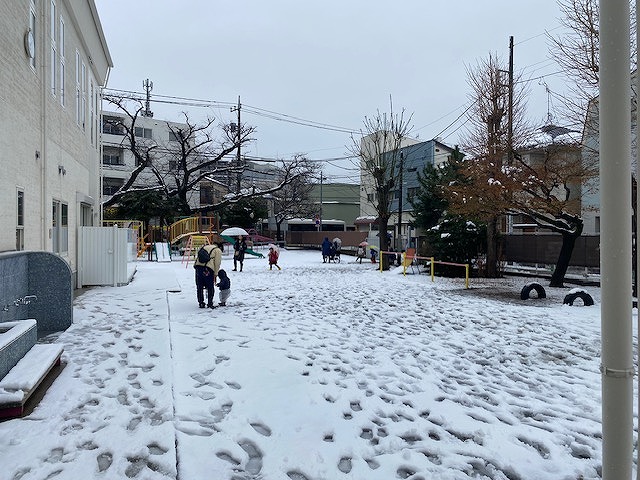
(194, 243)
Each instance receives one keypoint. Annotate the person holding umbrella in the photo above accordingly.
(239, 247)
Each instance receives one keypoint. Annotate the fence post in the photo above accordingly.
(432, 270)
(466, 276)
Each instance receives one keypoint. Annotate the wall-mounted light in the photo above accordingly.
(37, 154)
(62, 170)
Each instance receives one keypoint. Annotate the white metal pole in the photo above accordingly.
(637, 245)
(615, 240)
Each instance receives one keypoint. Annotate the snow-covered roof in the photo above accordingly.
(553, 134)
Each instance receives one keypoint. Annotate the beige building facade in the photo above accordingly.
(54, 62)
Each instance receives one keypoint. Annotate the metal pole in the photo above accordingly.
(399, 239)
(238, 154)
(637, 245)
(510, 116)
(615, 241)
(320, 201)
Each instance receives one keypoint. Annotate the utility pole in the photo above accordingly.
(148, 86)
(320, 201)
(238, 154)
(399, 239)
(510, 119)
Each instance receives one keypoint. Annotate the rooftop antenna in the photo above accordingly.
(548, 90)
(148, 86)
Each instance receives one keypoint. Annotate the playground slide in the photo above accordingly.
(163, 254)
(232, 240)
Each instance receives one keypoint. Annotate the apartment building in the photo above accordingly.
(55, 61)
(416, 155)
(118, 162)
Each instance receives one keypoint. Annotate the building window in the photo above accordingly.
(91, 111)
(78, 102)
(83, 82)
(112, 156)
(111, 185)
(52, 38)
(20, 220)
(112, 126)
(86, 215)
(597, 225)
(207, 194)
(412, 192)
(173, 137)
(32, 27)
(143, 132)
(60, 228)
(62, 59)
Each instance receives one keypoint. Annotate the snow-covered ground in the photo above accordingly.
(318, 371)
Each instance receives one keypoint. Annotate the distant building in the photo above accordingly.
(54, 61)
(118, 162)
(416, 156)
(337, 201)
(564, 144)
(591, 152)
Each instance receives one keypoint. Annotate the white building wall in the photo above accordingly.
(44, 152)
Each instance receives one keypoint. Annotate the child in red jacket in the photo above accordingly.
(273, 258)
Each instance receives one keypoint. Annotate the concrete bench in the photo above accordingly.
(24, 378)
(16, 339)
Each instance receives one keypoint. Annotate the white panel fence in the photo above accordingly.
(106, 255)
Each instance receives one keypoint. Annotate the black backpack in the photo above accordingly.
(203, 255)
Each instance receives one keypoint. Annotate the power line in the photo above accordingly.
(192, 102)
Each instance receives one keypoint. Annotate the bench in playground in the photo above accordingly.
(25, 364)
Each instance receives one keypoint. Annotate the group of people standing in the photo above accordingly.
(208, 272)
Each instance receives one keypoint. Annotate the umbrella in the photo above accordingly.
(363, 244)
(234, 232)
(337, 240)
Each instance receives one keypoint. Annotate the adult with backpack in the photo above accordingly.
(207, 265)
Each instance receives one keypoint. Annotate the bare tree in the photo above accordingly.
(379, 149)
(177, 167)
(294, 199)
(486, 142)
(577, 51)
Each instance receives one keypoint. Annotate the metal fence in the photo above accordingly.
(350, 240)
(107, 255)
(544, 249)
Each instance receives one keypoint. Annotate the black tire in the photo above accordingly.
(587, 299)
(526, 291)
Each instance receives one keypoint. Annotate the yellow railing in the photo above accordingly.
(191, 225)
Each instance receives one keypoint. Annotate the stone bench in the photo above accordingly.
(24, 378)
(16, 339)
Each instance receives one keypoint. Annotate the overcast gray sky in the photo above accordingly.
(330, 62)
